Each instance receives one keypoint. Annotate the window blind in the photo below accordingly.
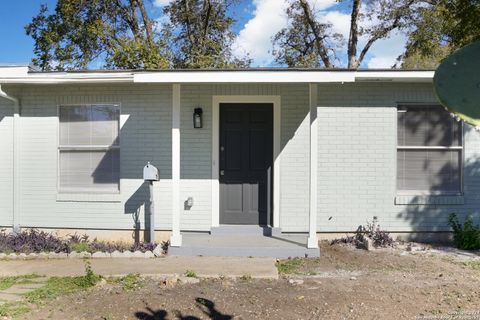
(89, 158)
(429, 151)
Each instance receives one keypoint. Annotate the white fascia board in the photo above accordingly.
(13, 71)
(395, 76)
(45, 78)
(19, 76)
(245, 77)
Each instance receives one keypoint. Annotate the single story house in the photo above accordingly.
(315, 152)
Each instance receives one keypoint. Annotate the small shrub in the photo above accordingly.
(466, 236)
(372, 231)
(80, 247)
(379, 237)
(190, 274)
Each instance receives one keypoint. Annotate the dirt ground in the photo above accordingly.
(345, 283)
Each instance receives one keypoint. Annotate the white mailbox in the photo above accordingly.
(150, 173)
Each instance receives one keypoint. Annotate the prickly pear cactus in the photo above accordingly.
(457, 84)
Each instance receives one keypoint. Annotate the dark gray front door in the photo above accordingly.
(246, 158)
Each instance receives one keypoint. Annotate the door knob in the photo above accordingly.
(222, 172)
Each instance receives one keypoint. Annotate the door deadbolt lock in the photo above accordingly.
(222, 172)
(222, 148)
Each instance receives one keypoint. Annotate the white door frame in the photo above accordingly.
(216, 101)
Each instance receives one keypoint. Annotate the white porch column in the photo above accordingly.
(312, 227)
(16, 149)
(176, 238)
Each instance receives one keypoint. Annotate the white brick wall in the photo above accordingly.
(6, 162)
(146, 136)
(196, 151)
(357, 160)
(357, 148)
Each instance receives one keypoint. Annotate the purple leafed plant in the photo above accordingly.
(31, 241)
(35, 241)
(143, 246)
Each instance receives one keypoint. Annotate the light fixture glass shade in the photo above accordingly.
(197, 118)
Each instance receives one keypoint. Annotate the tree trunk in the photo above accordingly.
(353, 62)
(319, 44)
(146, 22)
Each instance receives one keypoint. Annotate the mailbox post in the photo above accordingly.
(150, 174)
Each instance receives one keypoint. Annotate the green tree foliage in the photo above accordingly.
(202, 34)
(118, 32)
(309, 42)
(121, 34)
(439, 28)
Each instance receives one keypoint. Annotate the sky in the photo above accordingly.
(257, 21)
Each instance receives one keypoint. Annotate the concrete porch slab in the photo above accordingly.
(204, 267)
(242, 245)
(228, 230)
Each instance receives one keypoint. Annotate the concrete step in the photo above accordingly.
(238, 230)
(281, 247)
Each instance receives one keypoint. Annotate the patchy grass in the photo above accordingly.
(129, 282)
(13, 309)
(289, 266)
(246, 277)
(56, 287)
(53, 288)
(473, 264)
(190, 274)
(7, 282)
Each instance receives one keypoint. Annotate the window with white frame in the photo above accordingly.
(89, 148)
(429, 151)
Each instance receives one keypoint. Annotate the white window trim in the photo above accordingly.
(216, 101)
(87, 196)
(461, 148)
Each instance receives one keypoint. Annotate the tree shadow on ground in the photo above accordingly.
(206, 306)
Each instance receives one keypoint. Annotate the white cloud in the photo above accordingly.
(322, 4)
(161, 3)
(268, 18)
(340, 21)
(255, 37)
(385, 52)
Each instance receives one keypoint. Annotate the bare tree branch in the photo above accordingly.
(319, 43)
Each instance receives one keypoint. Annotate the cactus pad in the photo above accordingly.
(457, 83)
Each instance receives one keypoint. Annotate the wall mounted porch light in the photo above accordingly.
(197, 118)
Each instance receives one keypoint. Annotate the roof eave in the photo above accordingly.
(246, 76)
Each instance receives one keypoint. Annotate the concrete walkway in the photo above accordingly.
(203, 266)
(17, 291)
